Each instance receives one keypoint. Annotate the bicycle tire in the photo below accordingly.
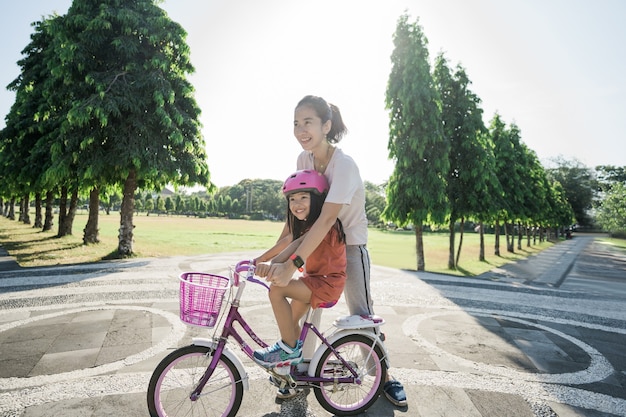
(176, 377)
(351, 399)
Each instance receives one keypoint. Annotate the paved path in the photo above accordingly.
(544, 337)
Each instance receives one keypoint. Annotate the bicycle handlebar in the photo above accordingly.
(247, 266)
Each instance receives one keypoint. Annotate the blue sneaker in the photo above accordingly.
(394, 391)
(279, 355)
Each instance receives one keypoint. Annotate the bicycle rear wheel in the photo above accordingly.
(175, 378)
(352, 398)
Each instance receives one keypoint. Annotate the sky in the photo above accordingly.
(555, 68)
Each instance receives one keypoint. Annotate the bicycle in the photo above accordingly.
(346, 372)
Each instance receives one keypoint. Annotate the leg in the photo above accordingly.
(357, 290)
(298, 310)
(284, 312)
(359, 300)
(288, 350)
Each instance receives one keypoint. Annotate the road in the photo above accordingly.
(544, 337)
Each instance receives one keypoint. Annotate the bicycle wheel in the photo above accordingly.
(352, 398)
(176, 377)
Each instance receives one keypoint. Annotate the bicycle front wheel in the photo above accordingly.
(351, 398)
(177, 376)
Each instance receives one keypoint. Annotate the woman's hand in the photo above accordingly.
(281, 273)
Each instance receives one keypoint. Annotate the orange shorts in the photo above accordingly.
(324, 289)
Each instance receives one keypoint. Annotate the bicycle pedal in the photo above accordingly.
(282, 370)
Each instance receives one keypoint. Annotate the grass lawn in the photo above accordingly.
(162, 236)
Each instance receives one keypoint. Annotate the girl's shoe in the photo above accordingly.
(284, 393)
(279, 355)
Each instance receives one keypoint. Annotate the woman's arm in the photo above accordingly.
(281, 272)
(283, 241)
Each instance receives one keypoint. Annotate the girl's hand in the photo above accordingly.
(262, 269)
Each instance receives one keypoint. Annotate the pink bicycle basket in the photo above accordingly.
(201, 297)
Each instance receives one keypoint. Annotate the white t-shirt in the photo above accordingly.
(346, 187)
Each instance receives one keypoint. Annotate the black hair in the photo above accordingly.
(299, 227)
(326, 112)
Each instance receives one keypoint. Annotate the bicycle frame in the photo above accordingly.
(229, 330)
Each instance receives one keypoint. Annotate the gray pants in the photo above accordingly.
(356, 292)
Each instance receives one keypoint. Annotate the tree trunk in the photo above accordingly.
(38, 216)
(71, 213)
(519, 236)
(11, 211)
(125, 245)
(67, 212)
(497, 240)
(451, 264)
(458, 253)
(23, 216)
(419, 247)
(49, 217)
(510, 240)
(26, 214)
(90, 233)
(481, 254)
(62, 211)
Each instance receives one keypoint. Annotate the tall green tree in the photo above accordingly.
(416, 189)
(132, 118)
(506, 141)
(26, 155)
(471, 176)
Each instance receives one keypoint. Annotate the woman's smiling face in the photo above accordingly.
(300, 204)
(308, 128)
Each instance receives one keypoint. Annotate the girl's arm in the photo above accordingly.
(281, 272)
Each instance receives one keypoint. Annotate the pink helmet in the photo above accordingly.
(305, 180)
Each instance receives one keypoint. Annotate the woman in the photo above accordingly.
(318, 127)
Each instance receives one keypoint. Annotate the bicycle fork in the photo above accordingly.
(217, 353)
(218, 349)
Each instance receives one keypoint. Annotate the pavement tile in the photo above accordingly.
(500, 405)
(65, 361)
(444, 402)
(77, 341)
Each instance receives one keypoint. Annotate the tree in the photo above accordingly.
(25, 154)
(506, 147)
(374, 202)
(132, 118)
(612, 212)
(579, 184)
(607, 175)
(416, 188)
(470, 178)
(149, 204)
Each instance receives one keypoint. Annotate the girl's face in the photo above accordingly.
(309, 129)
(300, 204)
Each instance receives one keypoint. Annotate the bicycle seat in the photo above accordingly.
(327, 304)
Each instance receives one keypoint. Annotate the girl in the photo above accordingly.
(325, 275)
